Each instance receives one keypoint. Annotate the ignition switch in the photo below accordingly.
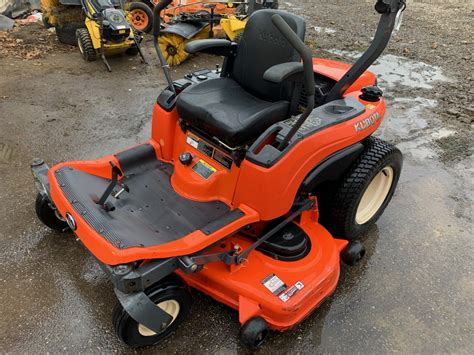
(186, 158)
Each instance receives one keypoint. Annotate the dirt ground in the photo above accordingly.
(413, 293)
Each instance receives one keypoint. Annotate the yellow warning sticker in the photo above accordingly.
(208, 165)
(204, 169)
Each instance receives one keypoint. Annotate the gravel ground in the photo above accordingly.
(413, 293)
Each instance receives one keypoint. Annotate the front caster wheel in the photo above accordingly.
(49, 215)
(172, 296)
(253, 333)
(353, 253)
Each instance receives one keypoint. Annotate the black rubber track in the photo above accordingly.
(343, 207)
(84, 40)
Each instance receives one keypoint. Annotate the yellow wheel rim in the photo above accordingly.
(171, 307)
(375, 195)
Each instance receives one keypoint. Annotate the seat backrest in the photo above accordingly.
(261, 47)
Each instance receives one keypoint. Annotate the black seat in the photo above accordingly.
(238, 108)
(223, 109)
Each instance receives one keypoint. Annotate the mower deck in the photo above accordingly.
(258, 291)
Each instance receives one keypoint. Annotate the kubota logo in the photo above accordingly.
(366, 123)
(271, 38)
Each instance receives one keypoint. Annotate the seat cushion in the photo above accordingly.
(222, 109)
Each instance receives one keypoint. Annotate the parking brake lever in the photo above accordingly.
(116, 172)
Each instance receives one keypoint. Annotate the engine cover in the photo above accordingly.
(115, 26)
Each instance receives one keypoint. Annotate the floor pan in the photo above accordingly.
(151, 214)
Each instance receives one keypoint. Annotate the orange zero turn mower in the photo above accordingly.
(255, 182)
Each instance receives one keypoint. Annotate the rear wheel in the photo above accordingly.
(172, 296)
(66, 33)
(140, 17)
(85, 45)
(366, 190)
(49, 215)
(133, 50)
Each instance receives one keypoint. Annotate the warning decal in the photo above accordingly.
(274, 284)
(290, 292)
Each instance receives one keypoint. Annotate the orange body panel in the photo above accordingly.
(220, 186)
(261, 193)
(335, 70)
(271, 191)
(163, 125)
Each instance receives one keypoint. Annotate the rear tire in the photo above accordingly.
(172, 296)
(84, 43)
(140, 17)
(67, 33)
(49, 215)
(366, 190)
(132, 51)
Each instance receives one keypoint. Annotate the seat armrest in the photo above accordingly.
(286, 71)
(213, 46)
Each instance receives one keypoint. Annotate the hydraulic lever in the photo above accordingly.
(156, 33)
(116, 172)
(390, 11)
